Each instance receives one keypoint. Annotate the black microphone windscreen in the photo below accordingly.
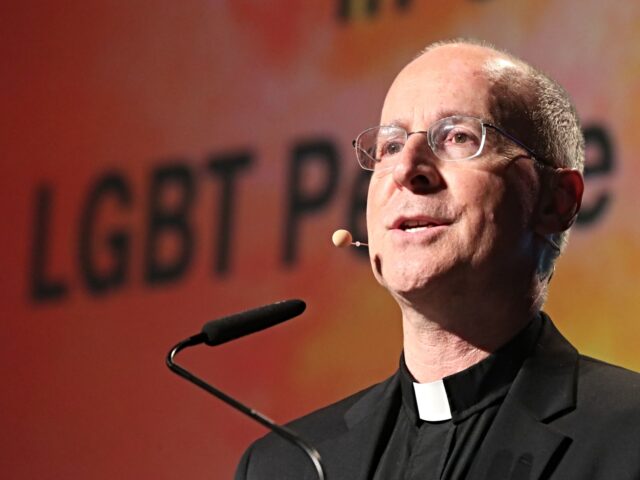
(244, 323)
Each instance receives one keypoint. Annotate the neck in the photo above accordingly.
(438, 344)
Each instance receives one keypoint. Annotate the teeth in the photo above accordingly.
(412, 223)
(415, 225)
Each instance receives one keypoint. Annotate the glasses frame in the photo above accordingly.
(485, 125)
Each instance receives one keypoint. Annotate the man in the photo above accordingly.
(475, 181)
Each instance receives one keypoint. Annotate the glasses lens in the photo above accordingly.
(378, 145)
(457, 138)
(452, 138)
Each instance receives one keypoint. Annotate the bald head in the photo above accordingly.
(431, 85)
(523, 100)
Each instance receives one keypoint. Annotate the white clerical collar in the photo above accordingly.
(432, 401)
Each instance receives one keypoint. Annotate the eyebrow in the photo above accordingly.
(440, 114)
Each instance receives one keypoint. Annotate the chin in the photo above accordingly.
(407, 283)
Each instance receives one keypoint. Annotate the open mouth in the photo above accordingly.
(412, 226)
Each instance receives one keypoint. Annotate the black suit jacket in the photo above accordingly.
(565, 417)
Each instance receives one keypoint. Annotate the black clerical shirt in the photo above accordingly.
(418, 449)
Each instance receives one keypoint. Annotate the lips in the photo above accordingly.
(416, 224)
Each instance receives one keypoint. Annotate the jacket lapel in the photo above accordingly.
(521, 444)
(353, 455)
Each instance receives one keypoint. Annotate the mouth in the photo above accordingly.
(415, 225)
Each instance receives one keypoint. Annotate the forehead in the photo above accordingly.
(448, 80)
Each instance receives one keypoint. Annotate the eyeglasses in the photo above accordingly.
(455, 138)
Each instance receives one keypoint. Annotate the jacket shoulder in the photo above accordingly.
(604, 427)
(273, 457)
(607, 407)
(611, 389)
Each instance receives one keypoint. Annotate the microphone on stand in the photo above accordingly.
(230, 328)
(343, 238)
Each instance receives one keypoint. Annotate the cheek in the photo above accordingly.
(374, 233)
(370, 215)
(515, 207)
(485, 206)
(481, 196)
(375, 202)
(500, 221)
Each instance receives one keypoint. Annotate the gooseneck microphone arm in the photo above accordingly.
(230, 328)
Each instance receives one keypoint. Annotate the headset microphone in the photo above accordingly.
(342, 238)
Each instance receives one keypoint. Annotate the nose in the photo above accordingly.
(416, 168)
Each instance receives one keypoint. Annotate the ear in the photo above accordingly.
(559, 202)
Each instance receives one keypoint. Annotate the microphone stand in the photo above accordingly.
(282, 431)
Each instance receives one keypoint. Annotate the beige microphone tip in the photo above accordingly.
(341, 238)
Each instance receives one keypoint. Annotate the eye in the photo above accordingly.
(460, 138)
(391, 148)
(388, 142)
(457, 142)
